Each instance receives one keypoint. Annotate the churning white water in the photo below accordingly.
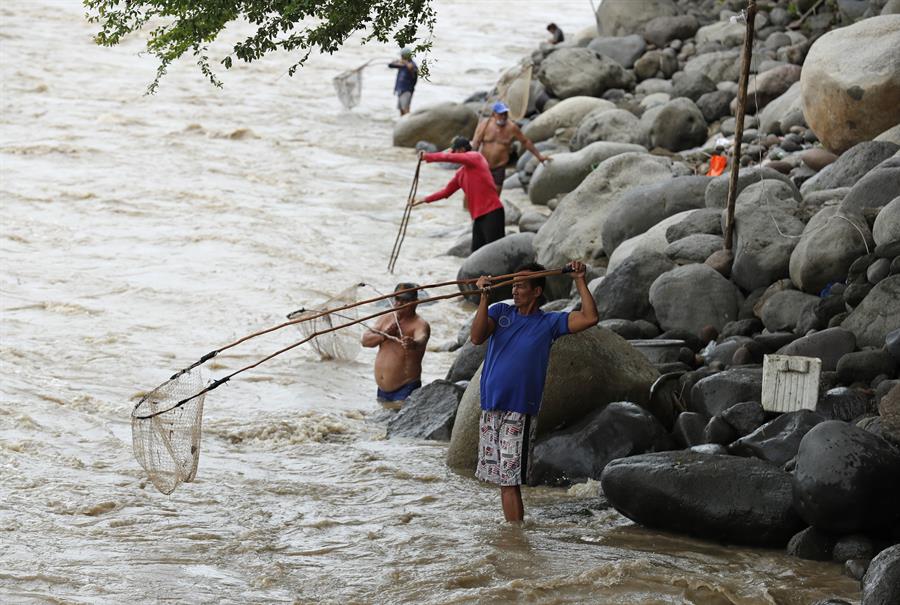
(139, 232)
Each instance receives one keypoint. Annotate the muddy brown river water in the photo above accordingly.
(137, 233)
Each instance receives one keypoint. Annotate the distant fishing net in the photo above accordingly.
(165, 432)
(348, 86)
(340, 345)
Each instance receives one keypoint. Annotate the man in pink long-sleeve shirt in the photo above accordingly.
(474, 178)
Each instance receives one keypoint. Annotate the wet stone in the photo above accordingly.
(811, 544)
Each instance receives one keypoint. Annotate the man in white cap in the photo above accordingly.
(494, 137)
(405, 84)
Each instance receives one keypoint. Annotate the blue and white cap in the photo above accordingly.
(500, 107)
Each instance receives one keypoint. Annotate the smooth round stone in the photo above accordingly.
(817, 158)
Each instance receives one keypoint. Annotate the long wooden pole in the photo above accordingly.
(217, 383)
(739, 124)
(324, 312)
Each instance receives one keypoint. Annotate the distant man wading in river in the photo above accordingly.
(405, 84)
(474, 178)
(494, 137)
(512, 378)
(401, 338)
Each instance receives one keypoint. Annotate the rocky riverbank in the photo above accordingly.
(632, 108)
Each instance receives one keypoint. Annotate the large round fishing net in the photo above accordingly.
(513, 88)
(341, 345)
(165, 430)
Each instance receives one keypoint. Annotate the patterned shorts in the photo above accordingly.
(503, 447)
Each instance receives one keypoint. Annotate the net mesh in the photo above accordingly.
(166, 436)
(342, 345)
(348, 86)
(513, 88)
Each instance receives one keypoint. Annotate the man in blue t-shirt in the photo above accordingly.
(512, 378)
(405, 84)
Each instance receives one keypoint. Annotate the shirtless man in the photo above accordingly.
(401, 337)
(493, 138)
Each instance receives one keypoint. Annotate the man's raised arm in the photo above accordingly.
(482, 325)
(587, 316)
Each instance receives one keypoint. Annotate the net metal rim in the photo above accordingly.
(145, 401)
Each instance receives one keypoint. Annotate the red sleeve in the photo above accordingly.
(468, 159)
(447, 191)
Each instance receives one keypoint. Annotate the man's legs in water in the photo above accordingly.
(511, 499)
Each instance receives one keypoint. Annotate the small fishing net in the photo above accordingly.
(341, 345)
(165, 433)
(348, 86)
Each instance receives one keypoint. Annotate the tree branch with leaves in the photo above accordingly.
(188, 27)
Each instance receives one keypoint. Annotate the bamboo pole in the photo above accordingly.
(217, 383)
(746, 55)
(324, 312)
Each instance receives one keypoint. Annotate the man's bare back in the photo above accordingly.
(399, 358)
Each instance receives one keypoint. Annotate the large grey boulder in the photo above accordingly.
(614, 126)
(661, 30)
(623, 293)
(705, 221)
(691, 85)
(829, 244)
(581, 451)
(652, 240)
(572, 72)
(587, 371)
(715, 105)
(722, 498)
(781, 109)
(828, 345)
(846, 479)
(783, 310)
(770, 85)
(567, 170)
(877, 315)
(719, 392)
(891, 135)
(499, 257)
(656, 64)
(717, 190)
(694, 296)
(851, 166)
(877, 188)
(574, 229)
(531, 221)
(623, 17)
(638, 209)
(694, 248)
(568, 113)
(765, 225)
(675, 126)
(881, 584)
(437, 124)
(887, 224)
(726, 33)
(467, 361)
(428, 413)
(778, 440)
(851, 82)
(718, 65)
(624, 50)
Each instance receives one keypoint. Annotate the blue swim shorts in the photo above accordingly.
(400, 394)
